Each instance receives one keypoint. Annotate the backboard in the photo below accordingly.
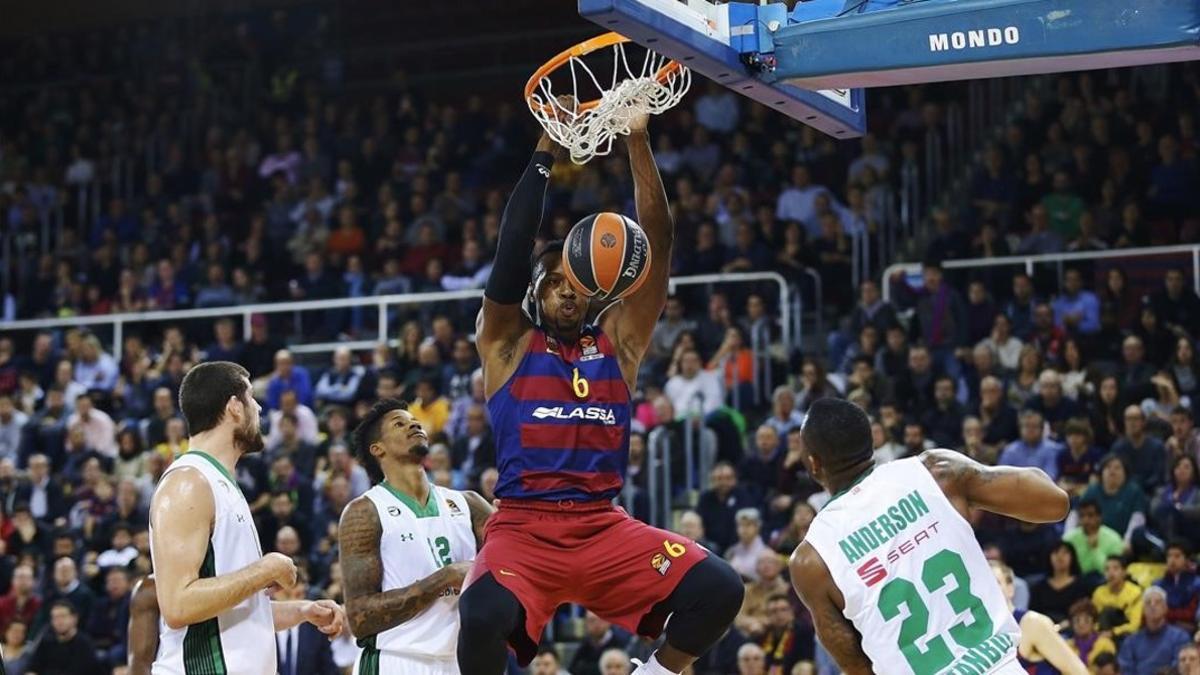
(810, 62)
(708, 37)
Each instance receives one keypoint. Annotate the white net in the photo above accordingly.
(590, 131)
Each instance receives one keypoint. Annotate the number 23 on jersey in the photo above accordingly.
(943, 567)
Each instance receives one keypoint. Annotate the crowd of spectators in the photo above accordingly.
(1091, 377)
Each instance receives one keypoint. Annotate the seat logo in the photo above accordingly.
(872, 572)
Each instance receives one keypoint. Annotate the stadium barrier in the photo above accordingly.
(1029, 263)
(382, 303)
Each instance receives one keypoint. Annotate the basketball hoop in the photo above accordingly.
(589, 129)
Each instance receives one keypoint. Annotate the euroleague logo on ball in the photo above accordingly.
(608, 240)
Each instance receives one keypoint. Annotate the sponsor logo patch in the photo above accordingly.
(588, 349)
(584, 413)
(454, 510)
(660, 563)
(872, 572)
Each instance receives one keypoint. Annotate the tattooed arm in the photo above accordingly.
(1023, 493)
(370, 609)
(816, 589)
(481, 510)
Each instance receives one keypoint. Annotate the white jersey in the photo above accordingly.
(415, 542)
(231, 642)
(916, 584)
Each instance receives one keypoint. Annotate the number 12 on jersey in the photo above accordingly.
(440, 548)
(943, 566)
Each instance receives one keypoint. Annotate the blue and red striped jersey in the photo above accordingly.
(561, 423)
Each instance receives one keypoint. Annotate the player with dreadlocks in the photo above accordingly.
(406, 546)
(558, 391)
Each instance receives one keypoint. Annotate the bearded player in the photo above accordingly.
(210, 574)
(890, 568)
(558, 393)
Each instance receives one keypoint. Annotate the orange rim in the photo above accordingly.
(582, 49)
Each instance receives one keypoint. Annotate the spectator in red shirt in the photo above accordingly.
(348, 239)
(22, 601)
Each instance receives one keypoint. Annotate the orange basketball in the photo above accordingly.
(606, 256)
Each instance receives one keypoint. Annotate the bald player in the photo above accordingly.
(890, 568)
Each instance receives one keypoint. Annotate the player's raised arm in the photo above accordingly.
(143, 627)
(1023, 493)
(633, 320)
(1041, 632)
(816, 589)
(501, 324)
(369, 609)
(181, 520)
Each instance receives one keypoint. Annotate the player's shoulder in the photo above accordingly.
(359, 504)
(476, 501)
(807, 568)
(182, 478)
(183, 498)
(359, 513)
(944, 465)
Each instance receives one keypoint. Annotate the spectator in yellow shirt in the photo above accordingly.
(1118, 600)
(430, 409)
(176, 443)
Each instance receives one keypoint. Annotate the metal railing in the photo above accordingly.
(698, 460)
(785, 309)
(1027, 262)
(944, 155)
(381, 303)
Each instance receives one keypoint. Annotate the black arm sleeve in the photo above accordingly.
(522, 218)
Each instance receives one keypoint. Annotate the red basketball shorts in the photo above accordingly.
(594, 555)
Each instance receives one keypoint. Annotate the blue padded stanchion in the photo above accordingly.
(885, 43)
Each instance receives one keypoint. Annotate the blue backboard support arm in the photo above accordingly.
(839, 113)
(939, 40)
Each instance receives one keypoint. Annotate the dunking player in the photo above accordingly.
(406, 546)
(890, 568)
(558, 395)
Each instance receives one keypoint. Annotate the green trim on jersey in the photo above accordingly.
(202, 653)
(210, 458)
(368, 662)
(861, 478)
(429, 510)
